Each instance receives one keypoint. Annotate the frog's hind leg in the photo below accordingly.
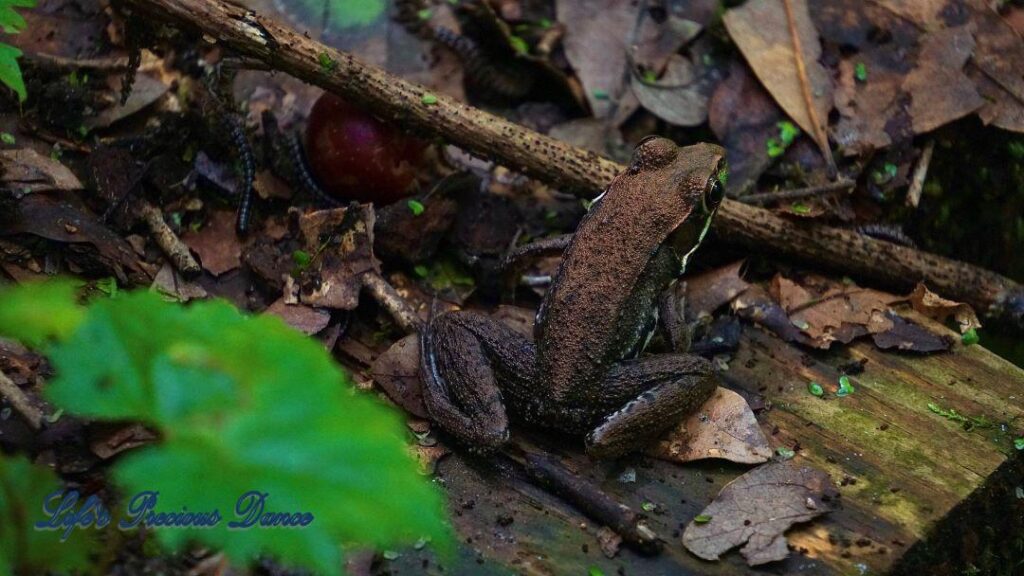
(465, 357)
(669, 386)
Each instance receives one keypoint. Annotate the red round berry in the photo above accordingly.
(355, 156)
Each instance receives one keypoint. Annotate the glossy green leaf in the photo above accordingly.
(335, 15)
(815, 389)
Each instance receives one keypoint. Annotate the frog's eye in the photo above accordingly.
(713, 195)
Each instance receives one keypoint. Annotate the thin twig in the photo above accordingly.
(798, 193)
(20, 402)
(389, 298)
(805, 87)
(166, 239)
(920, 173)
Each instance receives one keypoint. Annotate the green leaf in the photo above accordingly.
(648, 506)
(327, 64)
(702, 519)
(334, 15)
(416, 207)
(860, 72)
(969, 338)
(246, 404)
(10, 71)
(24, 489)
(785, 453)
(10, 21)
(594, 571)
(7, 138)
(36, 312)
(429, 99)
(800, 208)
(1018, 443)
(787, 132)
(815, 389)
(519, 45)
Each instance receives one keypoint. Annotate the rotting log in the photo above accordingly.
(415, 108)
(919, 493)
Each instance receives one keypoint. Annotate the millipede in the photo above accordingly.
(511, 81)
(239, 142)
(886, 232)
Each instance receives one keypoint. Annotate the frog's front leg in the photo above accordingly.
(467, 361)
(670, 386)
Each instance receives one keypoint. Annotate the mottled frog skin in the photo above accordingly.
(582, 373)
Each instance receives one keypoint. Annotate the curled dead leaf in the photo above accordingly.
(340, 243)
(934, 306)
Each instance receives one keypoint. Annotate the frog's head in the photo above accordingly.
(692, 178)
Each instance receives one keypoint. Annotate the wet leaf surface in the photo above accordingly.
(217, 243)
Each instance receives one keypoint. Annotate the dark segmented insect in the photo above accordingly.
(888, 232)
(304, 178)
(508, 81)
(235, 132)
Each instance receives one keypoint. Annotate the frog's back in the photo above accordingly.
(590, 300)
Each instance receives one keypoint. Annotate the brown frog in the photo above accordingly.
(582, 373)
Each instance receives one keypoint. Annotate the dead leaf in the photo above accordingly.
(90, 244)
(757, 508)
(216, 243)
(145, 92)
(340, 242)
(24, 171)
(600, 32)
(169, 282)
(998, 60)
(108, 443)
(678, 97)
(397, 372)
(744, 117)
(934, 306)
(708, 291)
(305, 319)
(724, 427)
(909, 337)
(762, 32)
(609, 541)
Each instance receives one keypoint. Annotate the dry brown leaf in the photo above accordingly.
(145, 92)
(934, 306)
(998, 60)
(170, 282)
(832, 311)
(908, 337)
(761, 30)
(708, 291)
(340, 242)
(397, 372)
(216, 243)
(25, 171)
(724, 427)
(305, 319)
(600, 32)
(757, 508)
(743, 116)
(678, 97)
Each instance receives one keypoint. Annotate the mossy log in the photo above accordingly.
(920, 494)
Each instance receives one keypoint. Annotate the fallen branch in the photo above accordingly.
(167, 240)
(20, 402)
(571, 168)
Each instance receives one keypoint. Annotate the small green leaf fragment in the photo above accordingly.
(390, 555)
(845, 388)
(650, 76)
(550, 214)
(815, 389)
(775, 148)
(301, 258)
(648, 506)
(429, 99)
(599, 94)
(702, 519)
(785, 453)
(416, 207)
(425, 14)
(970, 338)
(860, 72)
(421, 270)
(519, 45)
(594, 571)
(545, 23)
(787, 132)
(1018, 443)
(327, 64)
(7, 138)
(800, 208)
